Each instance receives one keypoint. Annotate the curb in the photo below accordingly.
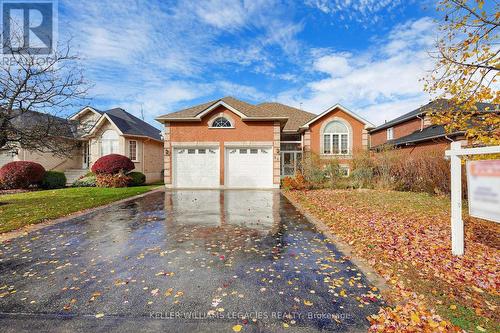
(372, 276)
(9, 235)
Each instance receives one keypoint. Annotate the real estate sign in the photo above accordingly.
(483, 181)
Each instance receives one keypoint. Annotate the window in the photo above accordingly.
(390, 133)
(336, 139)
(109, 142)
(202, 151)
(221, 122)
(132, 150)
(254, 151)
(191, 151)
(243, 151)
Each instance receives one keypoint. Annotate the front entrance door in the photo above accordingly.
(86, 155)
(290, 162)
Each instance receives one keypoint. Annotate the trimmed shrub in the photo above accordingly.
(53, 179)
(21, 174)
(112, 164)
(86, 181)
(138, 178)
(116, 180)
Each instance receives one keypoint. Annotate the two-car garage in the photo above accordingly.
(243, 167)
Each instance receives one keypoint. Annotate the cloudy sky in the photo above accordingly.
(368, 55)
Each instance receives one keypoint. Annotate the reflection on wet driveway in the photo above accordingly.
(183, 261)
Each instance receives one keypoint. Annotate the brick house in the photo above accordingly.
(228, 143)
(414, 132)
(97, 133)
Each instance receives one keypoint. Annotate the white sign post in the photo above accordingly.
(457, 224)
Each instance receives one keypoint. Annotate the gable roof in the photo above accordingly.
(428, 133)
(245, 110)
(87, 108)
(436, 105)
(296, 117)
(293, 118)
(129, 124)
(338, 106)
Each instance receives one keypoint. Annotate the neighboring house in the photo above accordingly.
(415, 132)
(228, 143)
(101, 133)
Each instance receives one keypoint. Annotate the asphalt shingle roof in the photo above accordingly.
(38, 121)
(131, 125)
(439, 104)
(296, 117)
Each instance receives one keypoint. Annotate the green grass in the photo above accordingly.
(21, 209)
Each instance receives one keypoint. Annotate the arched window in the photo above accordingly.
(221, 122)
(109, 142)
(336, 138)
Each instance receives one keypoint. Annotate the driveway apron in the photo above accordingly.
(183, 261)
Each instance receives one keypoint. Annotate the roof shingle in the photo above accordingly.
(296, 117)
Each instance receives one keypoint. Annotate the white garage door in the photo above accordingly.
(196, 167)
(249, 167)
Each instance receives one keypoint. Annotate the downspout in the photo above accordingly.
(421, 123)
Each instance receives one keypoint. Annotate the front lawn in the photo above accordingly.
(406, 237)
(20, 209)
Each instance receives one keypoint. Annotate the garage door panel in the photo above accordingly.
(196, 167)
(249, 167)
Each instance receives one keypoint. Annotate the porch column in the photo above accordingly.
(276, 154)
(167, 153)
(307, 141)
(364, 139)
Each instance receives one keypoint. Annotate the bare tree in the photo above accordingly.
(35, 90)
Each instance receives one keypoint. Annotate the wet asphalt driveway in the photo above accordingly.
(183, 261)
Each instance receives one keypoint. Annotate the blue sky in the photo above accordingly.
(368, 55)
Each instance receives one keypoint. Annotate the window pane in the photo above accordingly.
(243, 151)
(221, 122)
(132, 150)
(254, 151)
(343, 144)
(335, 143)
(201, 151)
(327, 144)
(191, 151)
(336, 127)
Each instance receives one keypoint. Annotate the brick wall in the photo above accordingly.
(400, 130)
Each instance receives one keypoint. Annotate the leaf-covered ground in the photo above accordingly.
(406, 238)
(184, 261)
(20, 209)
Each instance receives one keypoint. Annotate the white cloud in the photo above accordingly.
(357, 10)
(334, 64)
(378, 83)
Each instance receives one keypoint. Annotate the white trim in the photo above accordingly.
(456, 150)
(142, 137)
(349, 137)
(87, 108)
(166, 120)
(194, 144)
(99, 123)
(136, 150)
(389, 133)
(248, 144)
(221, 115)
(220, 103)
(338, 106)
